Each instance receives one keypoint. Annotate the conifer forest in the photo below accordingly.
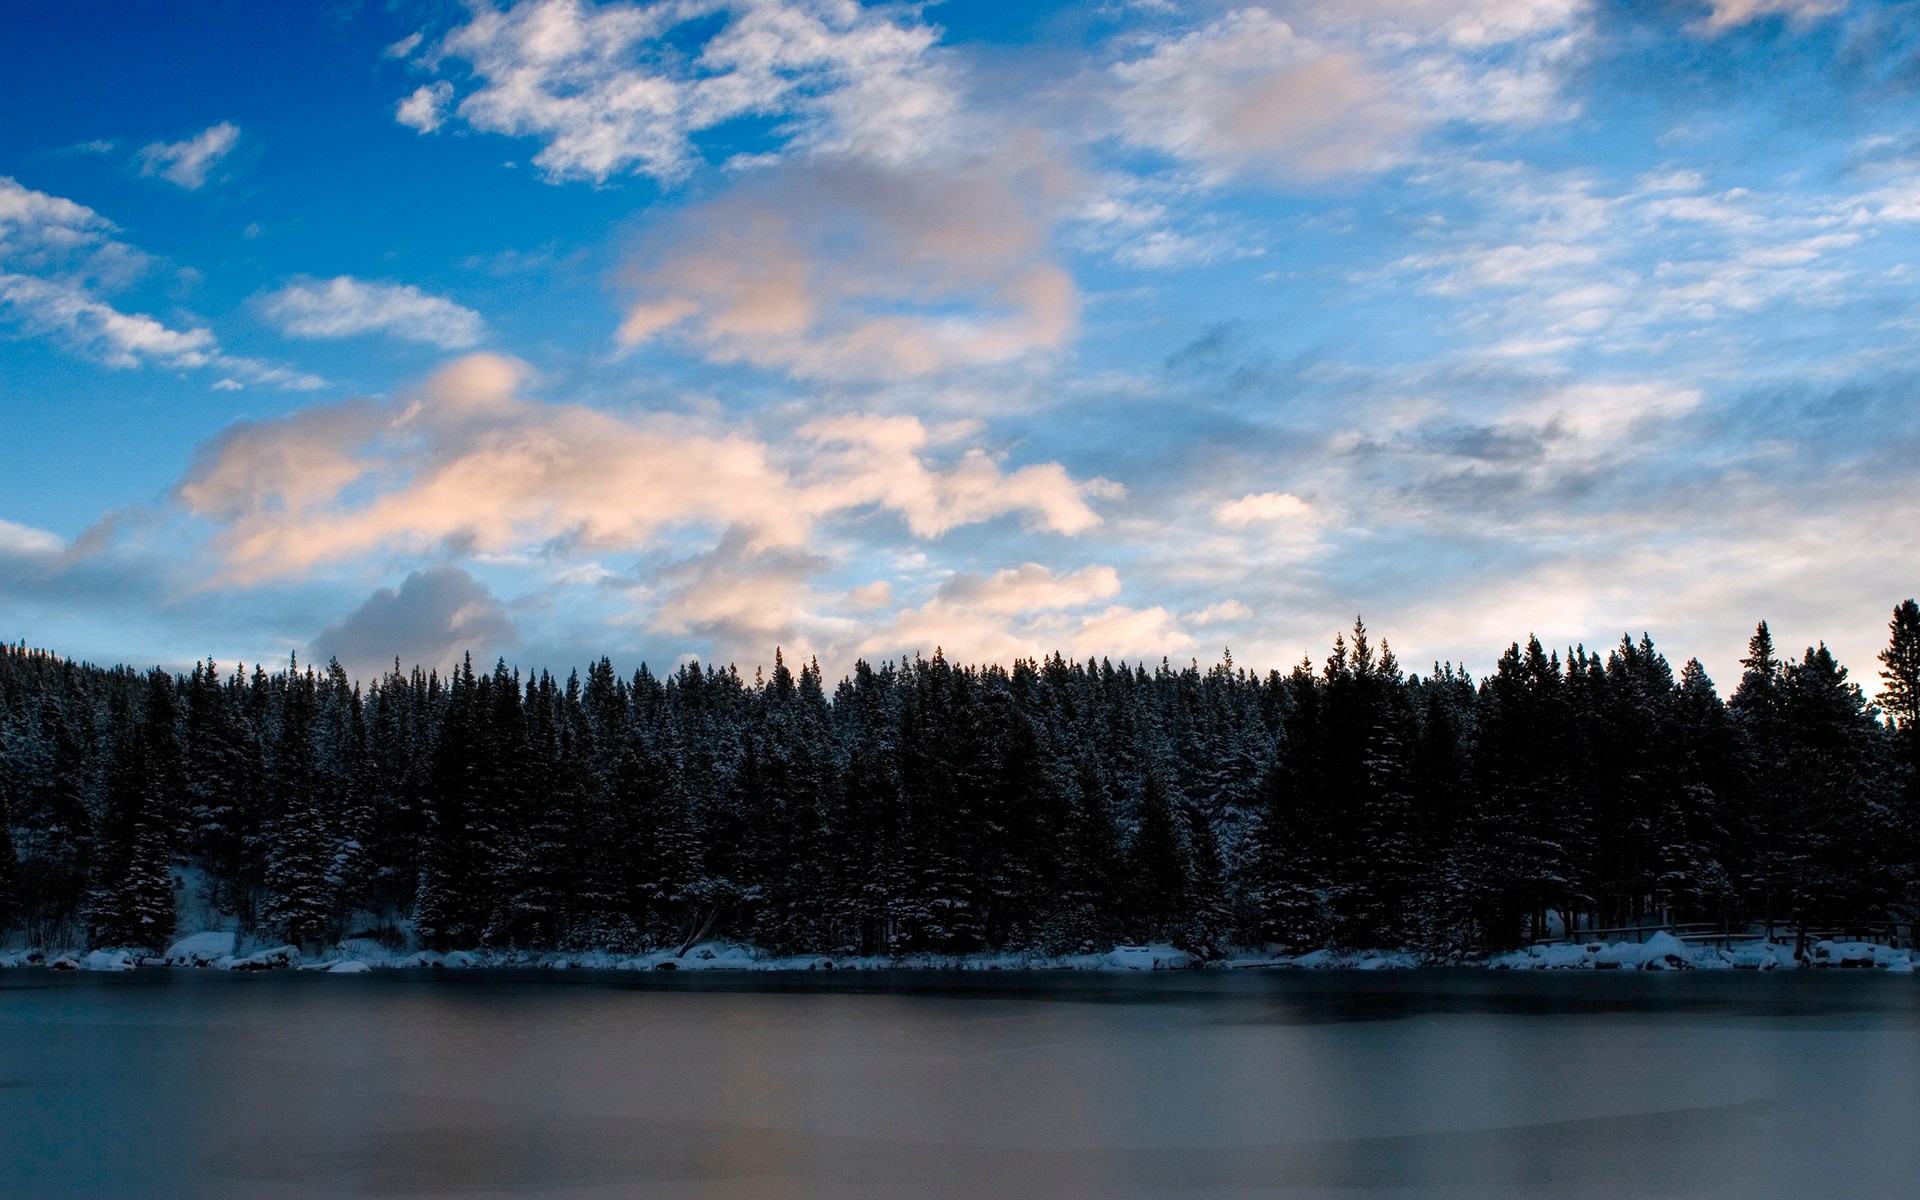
(928, 807)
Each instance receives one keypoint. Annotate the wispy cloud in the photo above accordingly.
(849, 271)
(56, 255)
(187, 162)
(347, 307)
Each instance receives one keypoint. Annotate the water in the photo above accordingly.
(1025, 1086)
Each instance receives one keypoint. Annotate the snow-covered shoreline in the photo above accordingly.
(220, 951)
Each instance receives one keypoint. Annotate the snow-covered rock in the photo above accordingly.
(1827, 953)
(200, 949)
(1146, 958)
(348, 966)
(107, 960)
(277, 958)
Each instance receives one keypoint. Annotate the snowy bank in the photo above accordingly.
(1661, 951)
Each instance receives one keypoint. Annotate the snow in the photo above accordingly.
(222, 950)
(264, 960)
(200, 950)
(1146, 958)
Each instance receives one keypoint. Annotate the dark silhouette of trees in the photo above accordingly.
(929, 807)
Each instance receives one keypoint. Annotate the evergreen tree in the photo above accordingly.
(297, 900)
(131, 903)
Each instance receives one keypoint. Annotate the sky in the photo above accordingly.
(556, 329)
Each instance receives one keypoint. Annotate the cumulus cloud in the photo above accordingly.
(345, 307)
(187, 162)
(431, 619)
(56, 256)
(847, 271)
(425, 109)
(466, 462)
(608, 89)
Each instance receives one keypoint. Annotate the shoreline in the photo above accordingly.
(217, 951)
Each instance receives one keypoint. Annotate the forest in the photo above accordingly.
(926, 807)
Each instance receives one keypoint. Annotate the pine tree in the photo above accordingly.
(131, 904)
(1160, 867)
(297, 901)
(1900, 668)
(9, 869)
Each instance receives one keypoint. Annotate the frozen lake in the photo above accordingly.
(589, 1084)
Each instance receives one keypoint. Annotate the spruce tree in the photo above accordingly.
(297, 900)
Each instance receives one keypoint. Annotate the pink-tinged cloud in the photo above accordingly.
(465, 463)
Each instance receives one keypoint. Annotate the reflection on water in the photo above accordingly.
(585, 1084)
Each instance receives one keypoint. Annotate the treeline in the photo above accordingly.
(923, 806)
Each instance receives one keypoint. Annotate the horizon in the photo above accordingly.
(1124, 331)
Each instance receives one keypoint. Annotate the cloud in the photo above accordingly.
(425, 109)
(1310, 90)
(1026, 612)
(614, 88)
(57, 255)
(187, 162)
(433, 617)
(1029, 586)
(1247, 92)
(1224, 610)
(1555, 262)
(847, 271)
(1264, 506)
(465, 463)
(23, 542)
(1730, 14)
(345, 307)
(864, 460)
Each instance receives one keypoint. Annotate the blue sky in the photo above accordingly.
(557, 329)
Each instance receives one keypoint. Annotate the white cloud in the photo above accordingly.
(404, 47)
(426, 108)
(607, 92)
(346, 307)
(56, 255)
(187, 162)
(1262, 506)
(1225, 610)
(24, 541)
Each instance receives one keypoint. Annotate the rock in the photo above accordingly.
(278, 958)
